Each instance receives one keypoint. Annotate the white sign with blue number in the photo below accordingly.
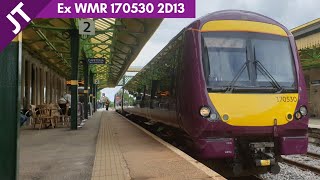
(87, 27)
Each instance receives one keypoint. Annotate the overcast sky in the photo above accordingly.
(290, 13)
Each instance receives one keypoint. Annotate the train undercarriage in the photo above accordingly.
(251, 156)
(255, 156)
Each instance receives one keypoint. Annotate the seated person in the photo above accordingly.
(24, 116)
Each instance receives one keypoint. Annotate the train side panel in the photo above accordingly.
(157, 100)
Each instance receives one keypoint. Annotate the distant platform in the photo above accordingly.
(314, 123)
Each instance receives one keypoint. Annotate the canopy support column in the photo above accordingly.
(91, 91)
(86, 78)
(123, 82)
(74, 77)
(95, 97)
(10, 78)
(28, 82)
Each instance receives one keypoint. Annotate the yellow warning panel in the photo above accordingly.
(265, 162)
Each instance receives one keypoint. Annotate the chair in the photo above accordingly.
(34, 117)
(55, 112)
(45, 116)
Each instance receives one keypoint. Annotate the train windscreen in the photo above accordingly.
(245, 60)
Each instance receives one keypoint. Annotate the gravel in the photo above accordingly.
(291, 173)
(305, 160)
(313, 148)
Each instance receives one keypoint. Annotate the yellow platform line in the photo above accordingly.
(109, 163)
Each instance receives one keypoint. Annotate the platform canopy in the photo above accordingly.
(119, 41)
(307, 37)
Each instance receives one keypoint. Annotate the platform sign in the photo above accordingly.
(87, 27)
(96, 60)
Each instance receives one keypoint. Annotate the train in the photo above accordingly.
(231, 82)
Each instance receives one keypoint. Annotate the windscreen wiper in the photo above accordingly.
(266, 73)
(235, 79)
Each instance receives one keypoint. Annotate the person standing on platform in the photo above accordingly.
(67, 97)
(64, 103)
(107, 103)
(103, 99)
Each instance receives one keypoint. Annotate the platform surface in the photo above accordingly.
(126, 152)
(108, 147)
(314, 123)
(59, 153)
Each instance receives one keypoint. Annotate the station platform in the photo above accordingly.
(126, 151)
(108, 147)
(314, 123)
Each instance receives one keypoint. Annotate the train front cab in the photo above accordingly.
(256, 96)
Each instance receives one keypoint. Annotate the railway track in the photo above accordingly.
(302, 165)
(313, 155)
(246, 178)
(314, 136)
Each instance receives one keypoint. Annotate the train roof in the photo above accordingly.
(197, 24)
(238, 15)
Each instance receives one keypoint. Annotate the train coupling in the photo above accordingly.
(264, 156)
(263, 153)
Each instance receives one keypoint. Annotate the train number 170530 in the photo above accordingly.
(287, 99)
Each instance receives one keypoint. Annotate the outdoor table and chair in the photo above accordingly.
(46, 115)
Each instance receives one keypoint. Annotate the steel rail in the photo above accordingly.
(314, 155)
(302, 165)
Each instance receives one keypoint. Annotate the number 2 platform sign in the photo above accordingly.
(87, 27)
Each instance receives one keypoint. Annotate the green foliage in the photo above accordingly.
(128, 99)
(310, 57)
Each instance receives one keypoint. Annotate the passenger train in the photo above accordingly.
(232, 83)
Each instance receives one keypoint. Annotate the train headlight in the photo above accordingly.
(303, 110)
(298, 115)
(205, 111)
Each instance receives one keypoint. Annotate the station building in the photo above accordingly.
(307, 37)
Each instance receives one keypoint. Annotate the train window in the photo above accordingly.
(154, 88)
(138, 97)
(205, 61)
(217, 42)
(226, 57)
(233, 57)
(275, 55)
(144, 92)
